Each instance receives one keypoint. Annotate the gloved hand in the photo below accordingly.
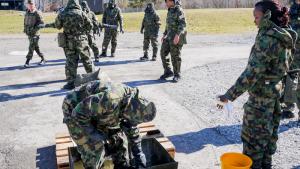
(40, 26)
(142, 31)
(222, 99)
(121, 30)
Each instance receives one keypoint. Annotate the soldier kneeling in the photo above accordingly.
(102, 119)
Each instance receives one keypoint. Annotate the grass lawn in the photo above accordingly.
(203, 21)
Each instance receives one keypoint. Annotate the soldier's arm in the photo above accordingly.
(257, 65)
(181, 22)
(81, 119)
(143, 25)
(104, 17)
(57, 24)
(157, 20)
(40, 19)
(120, 18)
(88, 24)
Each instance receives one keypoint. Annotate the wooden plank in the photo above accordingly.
(62, 153)
(63, 161)
(144, 130)
(168, 146)
(162, 139)
(64, 146)
(62, 135)
(144, 125)
(63, 140)
(63, 167)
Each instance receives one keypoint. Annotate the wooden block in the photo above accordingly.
(145, 130)
(162, 139)
(63, 167)
(63, 161)
(64, 146)
(63, 140)
(62, 153)
(62, 135)
(144, 125)
(168, 146)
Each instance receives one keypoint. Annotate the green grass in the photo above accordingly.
(203, 21)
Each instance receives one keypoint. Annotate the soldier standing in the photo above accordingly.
(95, 30)
(99, 115)
(173, 40)
(74, 40)
(292, 80)
(150, 29)
(262, 78)
(112, 16)
(33, 19)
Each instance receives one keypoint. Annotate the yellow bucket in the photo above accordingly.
(235, 161)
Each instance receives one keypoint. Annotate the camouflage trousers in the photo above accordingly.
(110, 35)
(290, 103)
(93, 45)
(260, 129)
(34, 46)
(154, 42)
(74, 51)
(94, 147)
(175, 50)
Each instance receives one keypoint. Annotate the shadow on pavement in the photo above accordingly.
(45, 158)
(122, 62)
(4, 97)
(145, 82)
(28, 85)
(218, 136)
(57, 62)
(296, 167)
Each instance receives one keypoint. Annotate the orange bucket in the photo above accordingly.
(235, 161)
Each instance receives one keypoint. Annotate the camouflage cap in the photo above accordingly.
(30, 2)
(112, 1)
(139, 109)
(84, 4)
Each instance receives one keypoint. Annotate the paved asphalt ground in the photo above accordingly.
(30, 99)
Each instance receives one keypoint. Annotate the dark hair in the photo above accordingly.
(279, 14)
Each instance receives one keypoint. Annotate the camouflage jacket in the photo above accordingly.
(31, 22)
(295, 16)
(175, 22)
(73, 20)
(151, 24)
(267, 64)
(102, 106)
(91, 15)
(113, 16)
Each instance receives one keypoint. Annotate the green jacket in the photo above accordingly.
(267, 64)
(176, 23)
(31, 22)
(113, 16)
(151, 24)
(73, 20)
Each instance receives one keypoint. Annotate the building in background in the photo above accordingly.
(12, 5)
(96, 6)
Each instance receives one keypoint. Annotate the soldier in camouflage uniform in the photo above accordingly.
(76, 25)
(99, 115)
(95, 30)
(33, 18)
(173, 40)
(150, 29)
(112, 16)
(262, 78)
(293, 80)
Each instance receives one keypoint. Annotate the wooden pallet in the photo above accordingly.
(63, 142)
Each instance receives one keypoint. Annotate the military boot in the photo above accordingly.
(144, 58)
(43, 60)
(153, 58)
(113, 55)
(96, 58)
(167, 74)
(176, 78)
(26, 65)
(103, 54)
(287, 114)
(69, 86)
